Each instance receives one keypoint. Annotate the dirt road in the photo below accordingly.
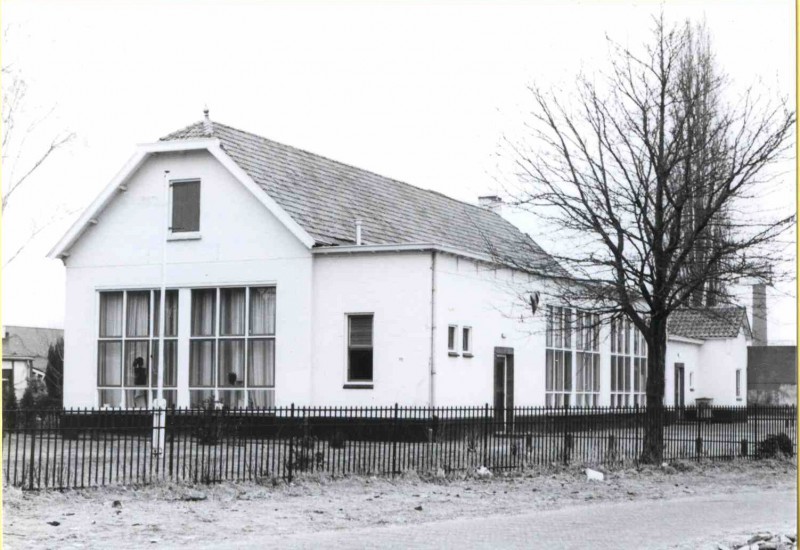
(405, 512)
(695, 522)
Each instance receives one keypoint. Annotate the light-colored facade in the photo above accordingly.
(443, 327)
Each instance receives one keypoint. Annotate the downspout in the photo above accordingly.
(432, 396)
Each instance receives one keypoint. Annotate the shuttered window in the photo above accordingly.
(185, 206)
(359, 349)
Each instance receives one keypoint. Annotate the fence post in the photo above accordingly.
(291, 444)
(33, 450)
(485, 435)
(755, 420)
(394, 442)
(567, 439)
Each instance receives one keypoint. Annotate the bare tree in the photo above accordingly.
(25, 146)
(652, 179)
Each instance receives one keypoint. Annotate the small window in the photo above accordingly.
(185, 207)
(466, 341)
(691, 380)
(452, 331)
(359, 348)
(738, 382)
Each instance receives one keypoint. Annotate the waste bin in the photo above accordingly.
(704, 407)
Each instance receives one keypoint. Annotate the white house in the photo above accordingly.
(293, 278)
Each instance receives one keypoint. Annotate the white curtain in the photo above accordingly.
(203, 310)
(133, 350)
(201, 363)
(232, 311)
(233, 399)
(262, 311)
(231, 363)
(261, 367)
(170, 361)
(261, 399)
(199, 398)
(110, 398)
(138, 313)
(110, 314)
(171, 314)
(110, 364)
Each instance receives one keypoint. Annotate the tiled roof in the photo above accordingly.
(326, 197)
(716, 322)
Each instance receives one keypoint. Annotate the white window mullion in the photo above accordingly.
(216, 337)
(246, 343)
(123, 397)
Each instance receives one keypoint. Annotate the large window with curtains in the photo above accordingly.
(127, 348)
(628, 364)
(587, 359)
(232, 346)
(558, 366)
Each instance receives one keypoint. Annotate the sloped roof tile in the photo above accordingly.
(715, 322)
(326, 198)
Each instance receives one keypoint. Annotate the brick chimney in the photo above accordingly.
(760, 314)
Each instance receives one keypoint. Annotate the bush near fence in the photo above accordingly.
(87, 447)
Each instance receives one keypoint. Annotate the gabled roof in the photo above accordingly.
(326, 198)
(706, 323)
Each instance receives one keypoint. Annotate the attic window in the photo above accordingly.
(185, 207)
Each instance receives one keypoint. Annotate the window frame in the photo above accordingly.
(587, 358)
(559, 355)
(350, 383)
(173, 235)
(452, 350)
(629, 358)
(738, 384)
(149, 339)
(247, 337)
(466, 335)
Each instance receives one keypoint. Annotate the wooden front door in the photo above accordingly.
(503, 387)
(679, 385)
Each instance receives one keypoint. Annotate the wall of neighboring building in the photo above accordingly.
(396, 289)
(21, 369)
(719, 360)
(772, 375)
(241, 244)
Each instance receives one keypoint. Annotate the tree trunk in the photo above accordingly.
(653, 447)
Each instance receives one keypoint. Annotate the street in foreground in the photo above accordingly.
(686, 507)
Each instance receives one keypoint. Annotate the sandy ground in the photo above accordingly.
(165, 515)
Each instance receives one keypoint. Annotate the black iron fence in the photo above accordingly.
(77, 448)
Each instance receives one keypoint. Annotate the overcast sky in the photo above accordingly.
(419, 93)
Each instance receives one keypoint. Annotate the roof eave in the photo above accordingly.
(408, 247)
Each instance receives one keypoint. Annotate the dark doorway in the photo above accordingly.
(679, 385)
(504, 387)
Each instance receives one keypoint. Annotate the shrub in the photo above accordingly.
(337, 440)
(773, 445)
(210, 423)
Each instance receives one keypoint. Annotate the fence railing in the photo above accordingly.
(77, 448)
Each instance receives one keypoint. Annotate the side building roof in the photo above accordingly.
(707, 323)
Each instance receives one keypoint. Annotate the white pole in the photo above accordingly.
(159, 405)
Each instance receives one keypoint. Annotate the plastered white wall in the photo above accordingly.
(488, 300)
(719, 360)
(241, 243)
(396, 289)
